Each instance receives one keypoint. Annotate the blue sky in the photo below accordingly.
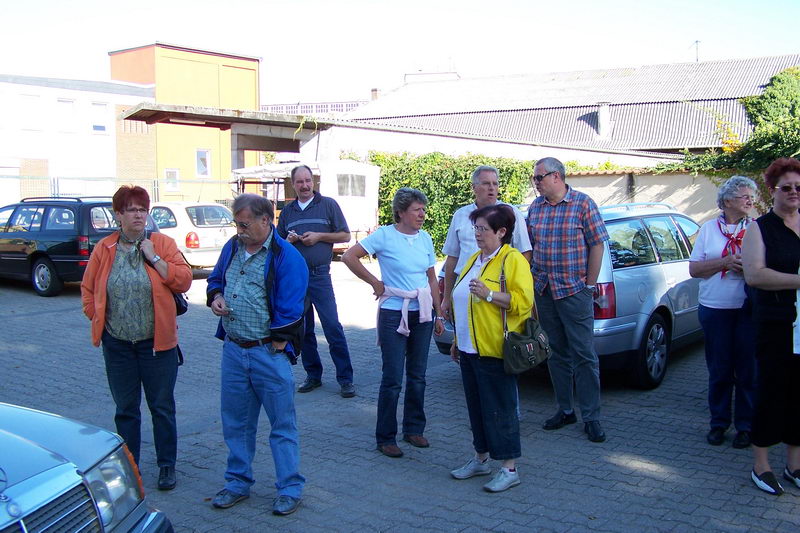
(317, 50)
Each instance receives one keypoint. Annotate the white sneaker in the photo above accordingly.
(503, 480)
(473, 468)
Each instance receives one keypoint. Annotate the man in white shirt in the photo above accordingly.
(460, 243)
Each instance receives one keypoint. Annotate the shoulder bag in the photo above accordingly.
(526, 350)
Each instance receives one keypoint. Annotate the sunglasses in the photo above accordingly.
(788, 188)
(539, 177)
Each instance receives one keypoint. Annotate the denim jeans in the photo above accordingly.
(731, 361)
(131, 366)
(569, 324)
(320, 291)
(252, 378)
(491, 396)
(397, 351)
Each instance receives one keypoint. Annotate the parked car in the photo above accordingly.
(645, 302)
(48, 240)
(199, 229)
(58, 474)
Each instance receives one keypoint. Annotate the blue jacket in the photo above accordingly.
(286, 280)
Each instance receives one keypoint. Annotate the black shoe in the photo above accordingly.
(348, 390)
(559, 420)
(309, 384)
(794, 477)
(226, 498)
(767, 482)
(166, 478)
(716, 436)
(283, 505)
(741, 440)
(595, 431)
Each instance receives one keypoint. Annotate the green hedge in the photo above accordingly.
(445, 180)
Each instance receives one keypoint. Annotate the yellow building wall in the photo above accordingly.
(195, 78)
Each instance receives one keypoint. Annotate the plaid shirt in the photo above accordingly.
(561, 236)
(246, 295)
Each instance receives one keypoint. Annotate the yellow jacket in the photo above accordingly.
(485, 318)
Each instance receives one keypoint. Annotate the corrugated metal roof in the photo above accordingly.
(654, 126)
(709, 80)
(111, 87)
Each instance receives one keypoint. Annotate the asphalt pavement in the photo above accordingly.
(654, 473)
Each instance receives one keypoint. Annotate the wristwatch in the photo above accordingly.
(156, 259)
(490, 296)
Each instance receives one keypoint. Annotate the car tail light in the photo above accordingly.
(192, 240)
(605, 301)
(83, 245)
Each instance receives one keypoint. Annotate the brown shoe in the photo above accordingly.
(390, 450)
(417, 440)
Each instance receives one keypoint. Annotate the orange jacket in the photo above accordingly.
(95, 279)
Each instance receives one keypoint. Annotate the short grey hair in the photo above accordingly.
(476, 174)
(259, 206)
(404, 197)
(551, 164)
(730, 188)
(297, 168)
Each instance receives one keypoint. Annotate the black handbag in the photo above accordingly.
(181, 305)
(526, 350)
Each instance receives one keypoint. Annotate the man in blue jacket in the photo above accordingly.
(258, 289)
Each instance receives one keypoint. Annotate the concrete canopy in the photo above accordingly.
(250, 130)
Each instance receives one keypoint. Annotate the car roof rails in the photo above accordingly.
(77, 199)
(636, 205)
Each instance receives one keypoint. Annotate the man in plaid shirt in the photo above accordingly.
(567, 235)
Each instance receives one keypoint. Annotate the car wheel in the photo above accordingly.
(443, 347)
(45, 279)
(650, 362)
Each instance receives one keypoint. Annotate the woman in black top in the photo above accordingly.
(771, 258)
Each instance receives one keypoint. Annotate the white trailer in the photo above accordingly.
(353, 184)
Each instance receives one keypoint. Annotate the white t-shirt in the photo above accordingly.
(461, 297)
(717, 292)
(461, 243)
(404, 261)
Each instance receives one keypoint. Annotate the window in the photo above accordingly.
(351, 184)
(27, 218)
(102, 218)
(666, 239)
(5, 214)
(690, 230)
(629, 244)
(164, 217)
(60, 218)
(31, 114)
(209, 215)
(65, 115)
(203, 160)
(99, 116)
(171, 177)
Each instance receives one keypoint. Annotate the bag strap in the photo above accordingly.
(503, 289)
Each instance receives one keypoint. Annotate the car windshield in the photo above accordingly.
(209, 215)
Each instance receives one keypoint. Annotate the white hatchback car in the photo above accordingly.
(199, 229)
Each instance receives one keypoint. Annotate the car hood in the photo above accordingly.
(34, 441)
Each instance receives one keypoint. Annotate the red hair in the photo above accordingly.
(778, 168)
(128, 194)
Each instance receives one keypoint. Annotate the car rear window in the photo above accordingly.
(60, 218)
(629, 244)
(209, 215)
(102, 218)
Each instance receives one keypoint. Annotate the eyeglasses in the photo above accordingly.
(745, 197)
(480, 229)
(243, 225)
(137, 210)
(539, 177)
(788, 187)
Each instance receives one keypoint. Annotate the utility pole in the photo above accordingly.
(697, 51)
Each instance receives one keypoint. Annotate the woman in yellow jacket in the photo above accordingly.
(497, 278)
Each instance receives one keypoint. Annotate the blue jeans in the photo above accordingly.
(320, 291)
(252, 378)
(731, 361)
(569, 324)
(130, 367)
(397, 351)
(491, 396)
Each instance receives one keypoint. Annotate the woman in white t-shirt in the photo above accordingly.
(408, 293)
(724, 312)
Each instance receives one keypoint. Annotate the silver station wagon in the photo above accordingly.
(646, 301)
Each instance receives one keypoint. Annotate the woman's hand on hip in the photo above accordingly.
(378, 289)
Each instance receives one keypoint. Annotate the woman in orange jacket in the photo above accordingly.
(127, 293)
